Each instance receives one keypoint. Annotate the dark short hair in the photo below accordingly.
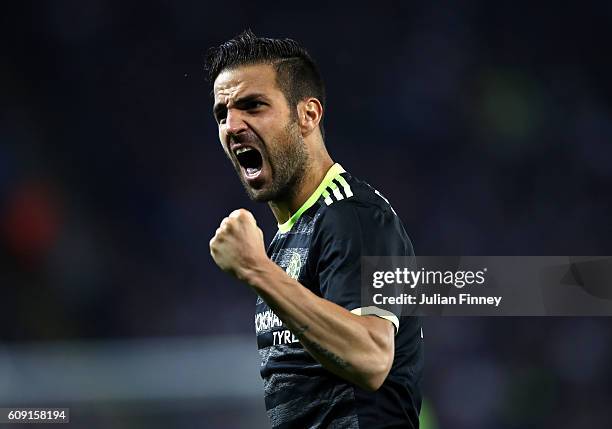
(297, 75)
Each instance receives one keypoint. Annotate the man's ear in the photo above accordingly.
(310, 113)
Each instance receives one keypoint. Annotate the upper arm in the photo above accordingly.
(346, 232)
(381, 331)
(382, 335)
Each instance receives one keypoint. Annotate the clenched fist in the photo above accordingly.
(238, 244)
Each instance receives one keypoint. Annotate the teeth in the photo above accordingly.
(243, 149)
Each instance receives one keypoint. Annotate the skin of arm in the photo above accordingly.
(359, 349)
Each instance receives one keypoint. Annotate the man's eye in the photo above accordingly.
(254, 105)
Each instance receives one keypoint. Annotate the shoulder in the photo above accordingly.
(352, 200)
(352, 209)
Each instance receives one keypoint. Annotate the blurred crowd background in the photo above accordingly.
(488, 126)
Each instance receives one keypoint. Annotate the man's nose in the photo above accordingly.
(234, 122)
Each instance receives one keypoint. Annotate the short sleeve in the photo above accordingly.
(346, 232)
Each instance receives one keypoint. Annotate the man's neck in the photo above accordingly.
(283, 210)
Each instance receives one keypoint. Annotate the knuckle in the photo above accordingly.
(242, 213)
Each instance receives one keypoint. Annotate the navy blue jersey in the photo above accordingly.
(321, 247)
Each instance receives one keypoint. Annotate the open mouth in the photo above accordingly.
(250, 160)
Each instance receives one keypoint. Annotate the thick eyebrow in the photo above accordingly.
(240, 103)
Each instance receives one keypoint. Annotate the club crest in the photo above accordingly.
(294, 266)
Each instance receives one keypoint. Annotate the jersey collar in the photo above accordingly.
(332, 173)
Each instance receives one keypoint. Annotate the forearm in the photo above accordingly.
(356, 348)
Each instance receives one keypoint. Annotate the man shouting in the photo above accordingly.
(327, 361)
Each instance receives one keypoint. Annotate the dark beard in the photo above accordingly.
(288, 162)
